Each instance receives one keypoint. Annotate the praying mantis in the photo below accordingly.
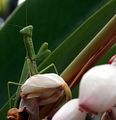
(30, 69)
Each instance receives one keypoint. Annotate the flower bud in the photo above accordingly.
(70, 111)
(98, 89)
(44, 86)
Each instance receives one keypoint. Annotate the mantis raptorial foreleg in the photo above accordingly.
(30, 53)
(43, 52)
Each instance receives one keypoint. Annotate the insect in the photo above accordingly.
(30, 67)
(36, 96)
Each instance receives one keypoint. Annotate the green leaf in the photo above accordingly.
(80, 37)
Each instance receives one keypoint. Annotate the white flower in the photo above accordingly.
(98, 89)
(70, 111)
(44, 86)
(42, 89)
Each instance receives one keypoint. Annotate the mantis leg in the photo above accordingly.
(51, 66)
(8, 88)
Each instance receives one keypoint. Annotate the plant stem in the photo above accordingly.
(92, 61)
(99, 41)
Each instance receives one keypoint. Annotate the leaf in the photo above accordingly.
(79, 38)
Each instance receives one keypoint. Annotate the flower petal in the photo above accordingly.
(70, 111)
(42, 83)
(97, 89)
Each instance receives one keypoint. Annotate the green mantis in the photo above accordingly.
(30, 68)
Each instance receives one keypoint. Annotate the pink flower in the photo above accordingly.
(98, 88)
(70, 111)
